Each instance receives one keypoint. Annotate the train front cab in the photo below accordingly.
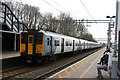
(32, 44)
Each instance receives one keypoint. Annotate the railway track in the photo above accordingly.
(11, 73)
(42, 71)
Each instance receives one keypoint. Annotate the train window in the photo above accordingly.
(39, 38)
(23, 38)
(66, 43)
(48, 42)
(70, 44)
(76, 44)
(56, 42)
(30, 39)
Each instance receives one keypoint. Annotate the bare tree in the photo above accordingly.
(62, 24)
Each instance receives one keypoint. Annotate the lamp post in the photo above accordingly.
(116, 30)
(109, 31)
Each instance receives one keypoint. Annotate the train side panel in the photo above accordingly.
(47, 45)
(52, 45)
(57, 45)
(77, 45)
(68, 46)
(34, 43)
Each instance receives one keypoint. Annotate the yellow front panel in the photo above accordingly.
(22, 46)
(40, 48)
(30, 44)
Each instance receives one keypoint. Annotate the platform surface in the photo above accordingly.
(86, 68)
(9, 54)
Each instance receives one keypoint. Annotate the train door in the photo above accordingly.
(51, 43)
(84, 46)
(62, 45)
(87, 45)
(73, 45)
(30, 44)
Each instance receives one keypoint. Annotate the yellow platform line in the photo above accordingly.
(72, 68)
(78, 65)
(90, 65)
(59, 75)
(87, 59)
(81, 63)
(67, 72)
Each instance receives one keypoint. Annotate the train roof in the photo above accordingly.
(61, 35)
(56, 34)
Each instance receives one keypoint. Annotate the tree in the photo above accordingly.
(63, 23)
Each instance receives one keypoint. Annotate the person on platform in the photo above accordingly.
(103, 64)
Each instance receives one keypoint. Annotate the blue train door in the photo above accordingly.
(62, 45)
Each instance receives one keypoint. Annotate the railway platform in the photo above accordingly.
(9, 54)
(86, 68)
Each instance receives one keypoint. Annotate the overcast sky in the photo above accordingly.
(99, 9)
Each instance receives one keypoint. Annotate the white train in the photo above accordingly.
(43, 43)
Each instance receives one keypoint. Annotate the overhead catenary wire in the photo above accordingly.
(52, 6)
(87, 10)
(62, 7)
(90, 16)
(67, 10)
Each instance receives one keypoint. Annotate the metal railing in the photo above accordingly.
(10, 19)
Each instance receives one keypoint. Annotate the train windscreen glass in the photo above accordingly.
(39, 38)
(30, 39)
(23, 38)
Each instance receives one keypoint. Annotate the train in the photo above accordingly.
(36, 44)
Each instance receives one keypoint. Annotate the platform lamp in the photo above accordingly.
(109, 31)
